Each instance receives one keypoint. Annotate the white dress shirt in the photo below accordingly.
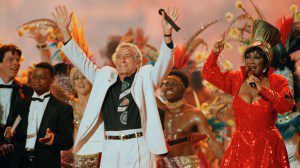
(5, 97)
(36, 112)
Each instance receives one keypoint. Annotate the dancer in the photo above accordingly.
(180, 122)
(82, 88)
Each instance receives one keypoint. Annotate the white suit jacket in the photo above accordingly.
(90, 136)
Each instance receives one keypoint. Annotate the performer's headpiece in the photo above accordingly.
(265, 36)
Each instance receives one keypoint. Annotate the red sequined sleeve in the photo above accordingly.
(212, 73)
(280, 97)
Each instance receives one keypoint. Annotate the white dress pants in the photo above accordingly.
(130, 153)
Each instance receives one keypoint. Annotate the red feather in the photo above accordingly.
(284, 25)
(181, 58)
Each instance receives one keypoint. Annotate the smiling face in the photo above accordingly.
(80, 83)
(255, 62)
(172, 89)
(41, 80)
(127, 60)
(10, 65)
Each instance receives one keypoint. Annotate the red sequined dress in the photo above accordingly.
(256, 142)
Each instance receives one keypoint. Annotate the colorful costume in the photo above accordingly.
(256, 142)
(72, 160)
(191, 161)
(288, 124)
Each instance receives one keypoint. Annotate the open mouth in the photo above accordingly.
(81, 86)
(14, 68)
(169, 92)
(252, 68)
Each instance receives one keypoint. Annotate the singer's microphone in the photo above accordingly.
(252, 84)
(249, 73)
(169, 20)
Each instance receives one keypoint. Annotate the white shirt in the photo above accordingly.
(35, 116)
(5, 97)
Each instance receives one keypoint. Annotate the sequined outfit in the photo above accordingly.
(256, 141)
(288, 74)
(71, 160)
(289, 123)
(191, 161)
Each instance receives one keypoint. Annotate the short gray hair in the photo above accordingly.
(137, 52)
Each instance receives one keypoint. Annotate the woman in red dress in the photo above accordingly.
(256, 142)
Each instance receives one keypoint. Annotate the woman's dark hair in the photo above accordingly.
(262, 53)
(10, 47)
(281, 58)
(46, 65)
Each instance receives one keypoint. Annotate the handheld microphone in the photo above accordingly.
(249, 73)
(169, 20)
(252, 84)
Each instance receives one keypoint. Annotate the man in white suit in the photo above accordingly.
(121, 119)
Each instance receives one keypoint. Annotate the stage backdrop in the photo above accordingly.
(108, 17)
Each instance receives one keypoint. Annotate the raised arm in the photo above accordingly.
(164, 63)
(212, 73)
(71, 49)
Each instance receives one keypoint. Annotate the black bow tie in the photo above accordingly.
(6, 86)
(39, 99)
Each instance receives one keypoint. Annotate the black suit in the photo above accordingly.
(58, 117)
(19, 91)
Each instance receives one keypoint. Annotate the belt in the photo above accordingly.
(124, 137)
(29, 150)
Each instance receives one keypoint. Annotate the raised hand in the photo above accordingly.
(218, 46)
(167, 28)
(62, 19)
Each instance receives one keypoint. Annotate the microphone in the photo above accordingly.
(249, 73)
(169, 20)
(252, 84)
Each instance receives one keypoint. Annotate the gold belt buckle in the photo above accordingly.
(122, 137)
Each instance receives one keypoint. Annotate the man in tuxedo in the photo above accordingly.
(46, 125)
(10, 92)
(121, 119)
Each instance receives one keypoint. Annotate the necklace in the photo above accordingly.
(175, 105)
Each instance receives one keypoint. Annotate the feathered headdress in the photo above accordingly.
(290, 34)
(48, 24)
(265, 36)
